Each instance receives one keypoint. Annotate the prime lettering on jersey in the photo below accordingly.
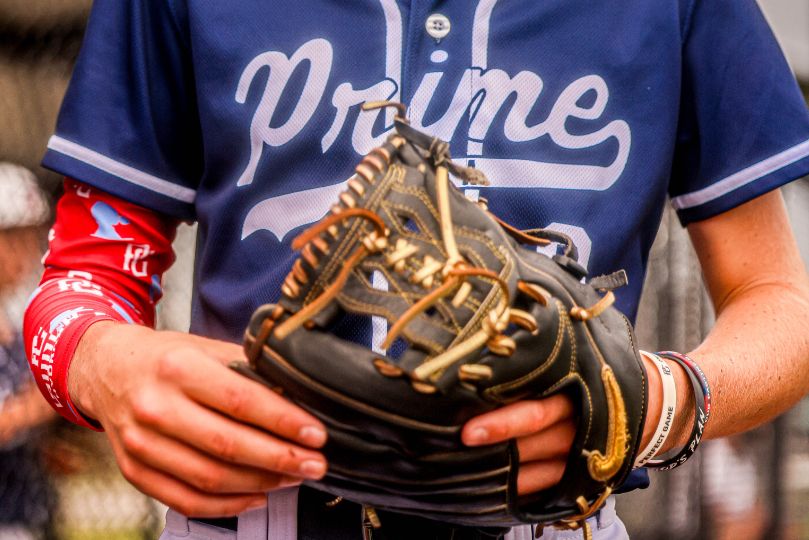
(481, 95)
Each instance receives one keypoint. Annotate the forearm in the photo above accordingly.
(753, 355)
(756, 355)
(105, 262)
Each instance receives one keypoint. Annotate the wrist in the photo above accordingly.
(653, 408)
(702, 409)
(86, 365)
(670, 407)
(684, 415)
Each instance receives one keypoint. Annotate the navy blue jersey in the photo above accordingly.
(245, 116)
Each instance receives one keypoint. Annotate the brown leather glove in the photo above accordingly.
(476, 320)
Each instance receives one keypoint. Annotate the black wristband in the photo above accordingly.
(702, 411)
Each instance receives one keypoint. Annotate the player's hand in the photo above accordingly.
(544, 430)
(185, 428)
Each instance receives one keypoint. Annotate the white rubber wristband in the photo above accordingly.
(666, 413)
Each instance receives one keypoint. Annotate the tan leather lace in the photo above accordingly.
(585, 314)
(448, 277)
(445, 278)
(586, 510)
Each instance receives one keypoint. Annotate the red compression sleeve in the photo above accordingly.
(105, 261)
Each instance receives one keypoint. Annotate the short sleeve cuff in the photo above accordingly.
(107, 174)
(744, 185)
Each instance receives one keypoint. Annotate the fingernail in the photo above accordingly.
(313, 469)
(312, 436)
(479, 435)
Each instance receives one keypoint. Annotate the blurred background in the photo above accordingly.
(60, 482)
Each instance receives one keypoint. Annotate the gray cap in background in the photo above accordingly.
(22, 203)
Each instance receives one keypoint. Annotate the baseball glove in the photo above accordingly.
(476, 320)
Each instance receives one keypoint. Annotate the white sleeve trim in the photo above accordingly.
(124, 172)
(742, 178)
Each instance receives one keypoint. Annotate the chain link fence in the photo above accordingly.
(61, 482)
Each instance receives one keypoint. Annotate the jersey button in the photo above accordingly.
(437, 26)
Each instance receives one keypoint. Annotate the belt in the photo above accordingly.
(229, 523)
(343, 521)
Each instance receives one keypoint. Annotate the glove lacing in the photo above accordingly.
(452, 274)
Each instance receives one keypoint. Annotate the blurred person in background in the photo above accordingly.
(27, 497)
(733, 490)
